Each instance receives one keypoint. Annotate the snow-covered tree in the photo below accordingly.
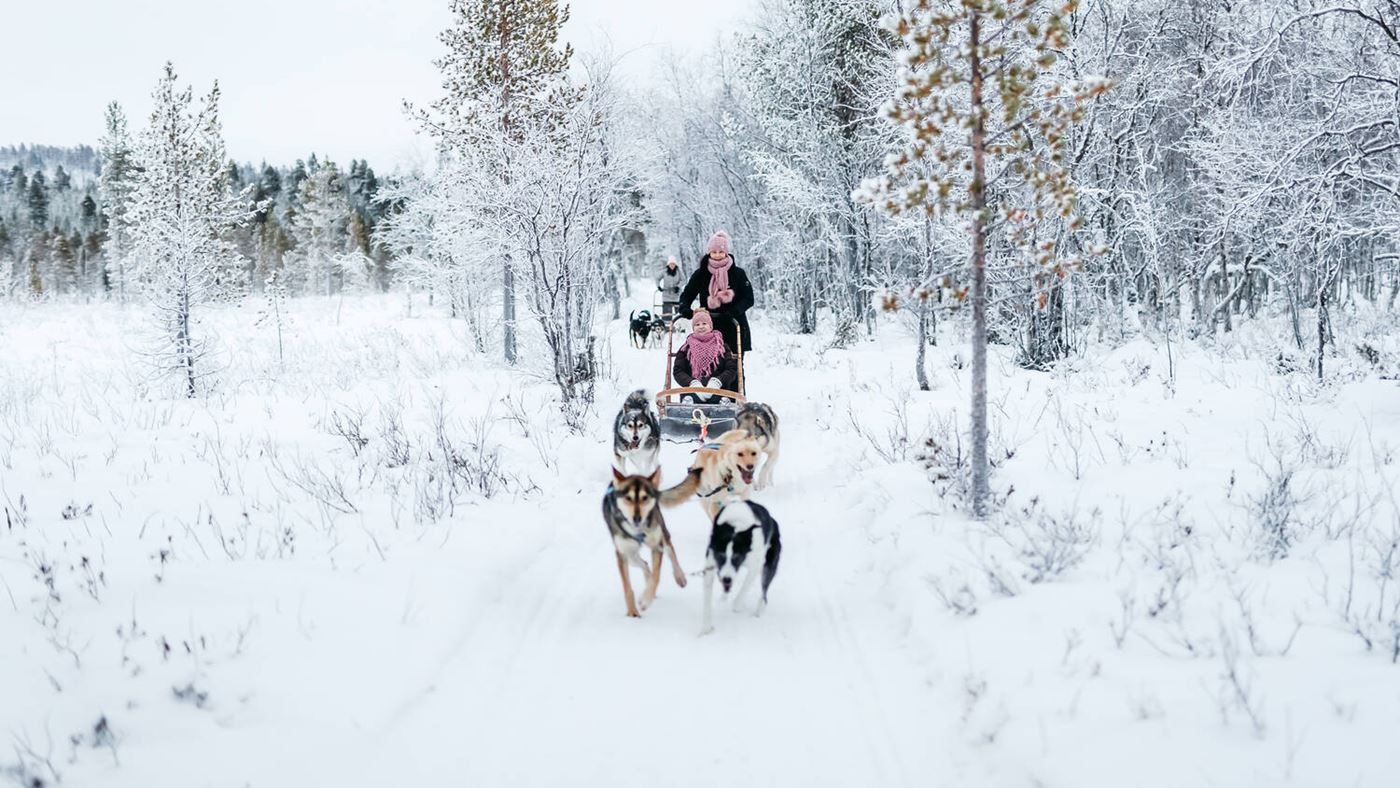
(274, 310)
(815, 72)
(986, 141)
(116, 185)
(568, 199)
(319, 230)
(181, 213)
(501, 76)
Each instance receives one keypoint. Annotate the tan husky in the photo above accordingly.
(723, 470)
(632, 510)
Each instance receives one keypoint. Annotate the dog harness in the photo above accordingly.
(728, 485)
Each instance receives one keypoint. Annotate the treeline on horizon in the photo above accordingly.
(54, 231)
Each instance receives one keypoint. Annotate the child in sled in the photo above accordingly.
(705, 361)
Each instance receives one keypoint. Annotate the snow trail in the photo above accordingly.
(553, 684)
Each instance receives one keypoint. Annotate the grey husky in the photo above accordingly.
(637, 435)
(761, 423)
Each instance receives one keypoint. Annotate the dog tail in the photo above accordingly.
(675, 496)
(637, 400)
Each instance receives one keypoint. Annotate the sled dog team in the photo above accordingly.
(744, 537)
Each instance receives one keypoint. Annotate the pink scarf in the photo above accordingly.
(704, 353)
(719, 274)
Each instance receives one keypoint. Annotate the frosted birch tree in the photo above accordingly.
(502, 65)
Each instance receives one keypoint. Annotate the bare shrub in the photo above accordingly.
(351, 427)
(1046, 546)
(1274, 513)
(396, 450)
(948, 462)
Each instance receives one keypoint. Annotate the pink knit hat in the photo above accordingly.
(702, 316)
(719, 242)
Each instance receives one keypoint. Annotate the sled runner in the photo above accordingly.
(682, 422)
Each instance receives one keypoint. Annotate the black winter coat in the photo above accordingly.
(726, 315)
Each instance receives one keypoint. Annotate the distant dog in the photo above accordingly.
(658, 329)
(632, 511)
(744, 538)
(761, 423)
(722, 470)
(640, 327)
(636, 435)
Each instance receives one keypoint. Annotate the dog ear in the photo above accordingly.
(617, 474)
(656, 477)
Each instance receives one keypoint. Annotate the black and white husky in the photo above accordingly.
(637, 435)
(743, 540)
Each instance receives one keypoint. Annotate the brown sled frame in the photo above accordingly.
(682, 422)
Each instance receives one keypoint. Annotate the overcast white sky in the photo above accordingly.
(297, 75)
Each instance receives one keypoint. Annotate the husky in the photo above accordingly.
(640, 327)
(632, 511)
(744, 538)
(659, 324)
(724, 469)
(637, 435)
(761, 423)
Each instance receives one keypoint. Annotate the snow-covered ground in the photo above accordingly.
(380, 561)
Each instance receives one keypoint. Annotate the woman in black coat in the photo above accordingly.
(724, 289)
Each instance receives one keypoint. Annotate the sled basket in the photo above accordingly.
(683, 422)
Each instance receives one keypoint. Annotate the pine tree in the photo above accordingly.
(274, 311)
(181, 211)
(503, 62)
(973, 97)
(116, 184)
(64, 258)
(87, 212)
(62, 181)
(319, 228)
(19, 182)
(38, 202)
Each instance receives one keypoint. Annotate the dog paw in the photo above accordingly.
(645, 602)
(706, 630)
(633, 614)
(680, 580)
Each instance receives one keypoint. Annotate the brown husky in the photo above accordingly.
(632, 510)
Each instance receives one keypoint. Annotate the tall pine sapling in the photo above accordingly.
(274, 311)
(180, 218)
(319, 229)
(116, 183)
(986, 133)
